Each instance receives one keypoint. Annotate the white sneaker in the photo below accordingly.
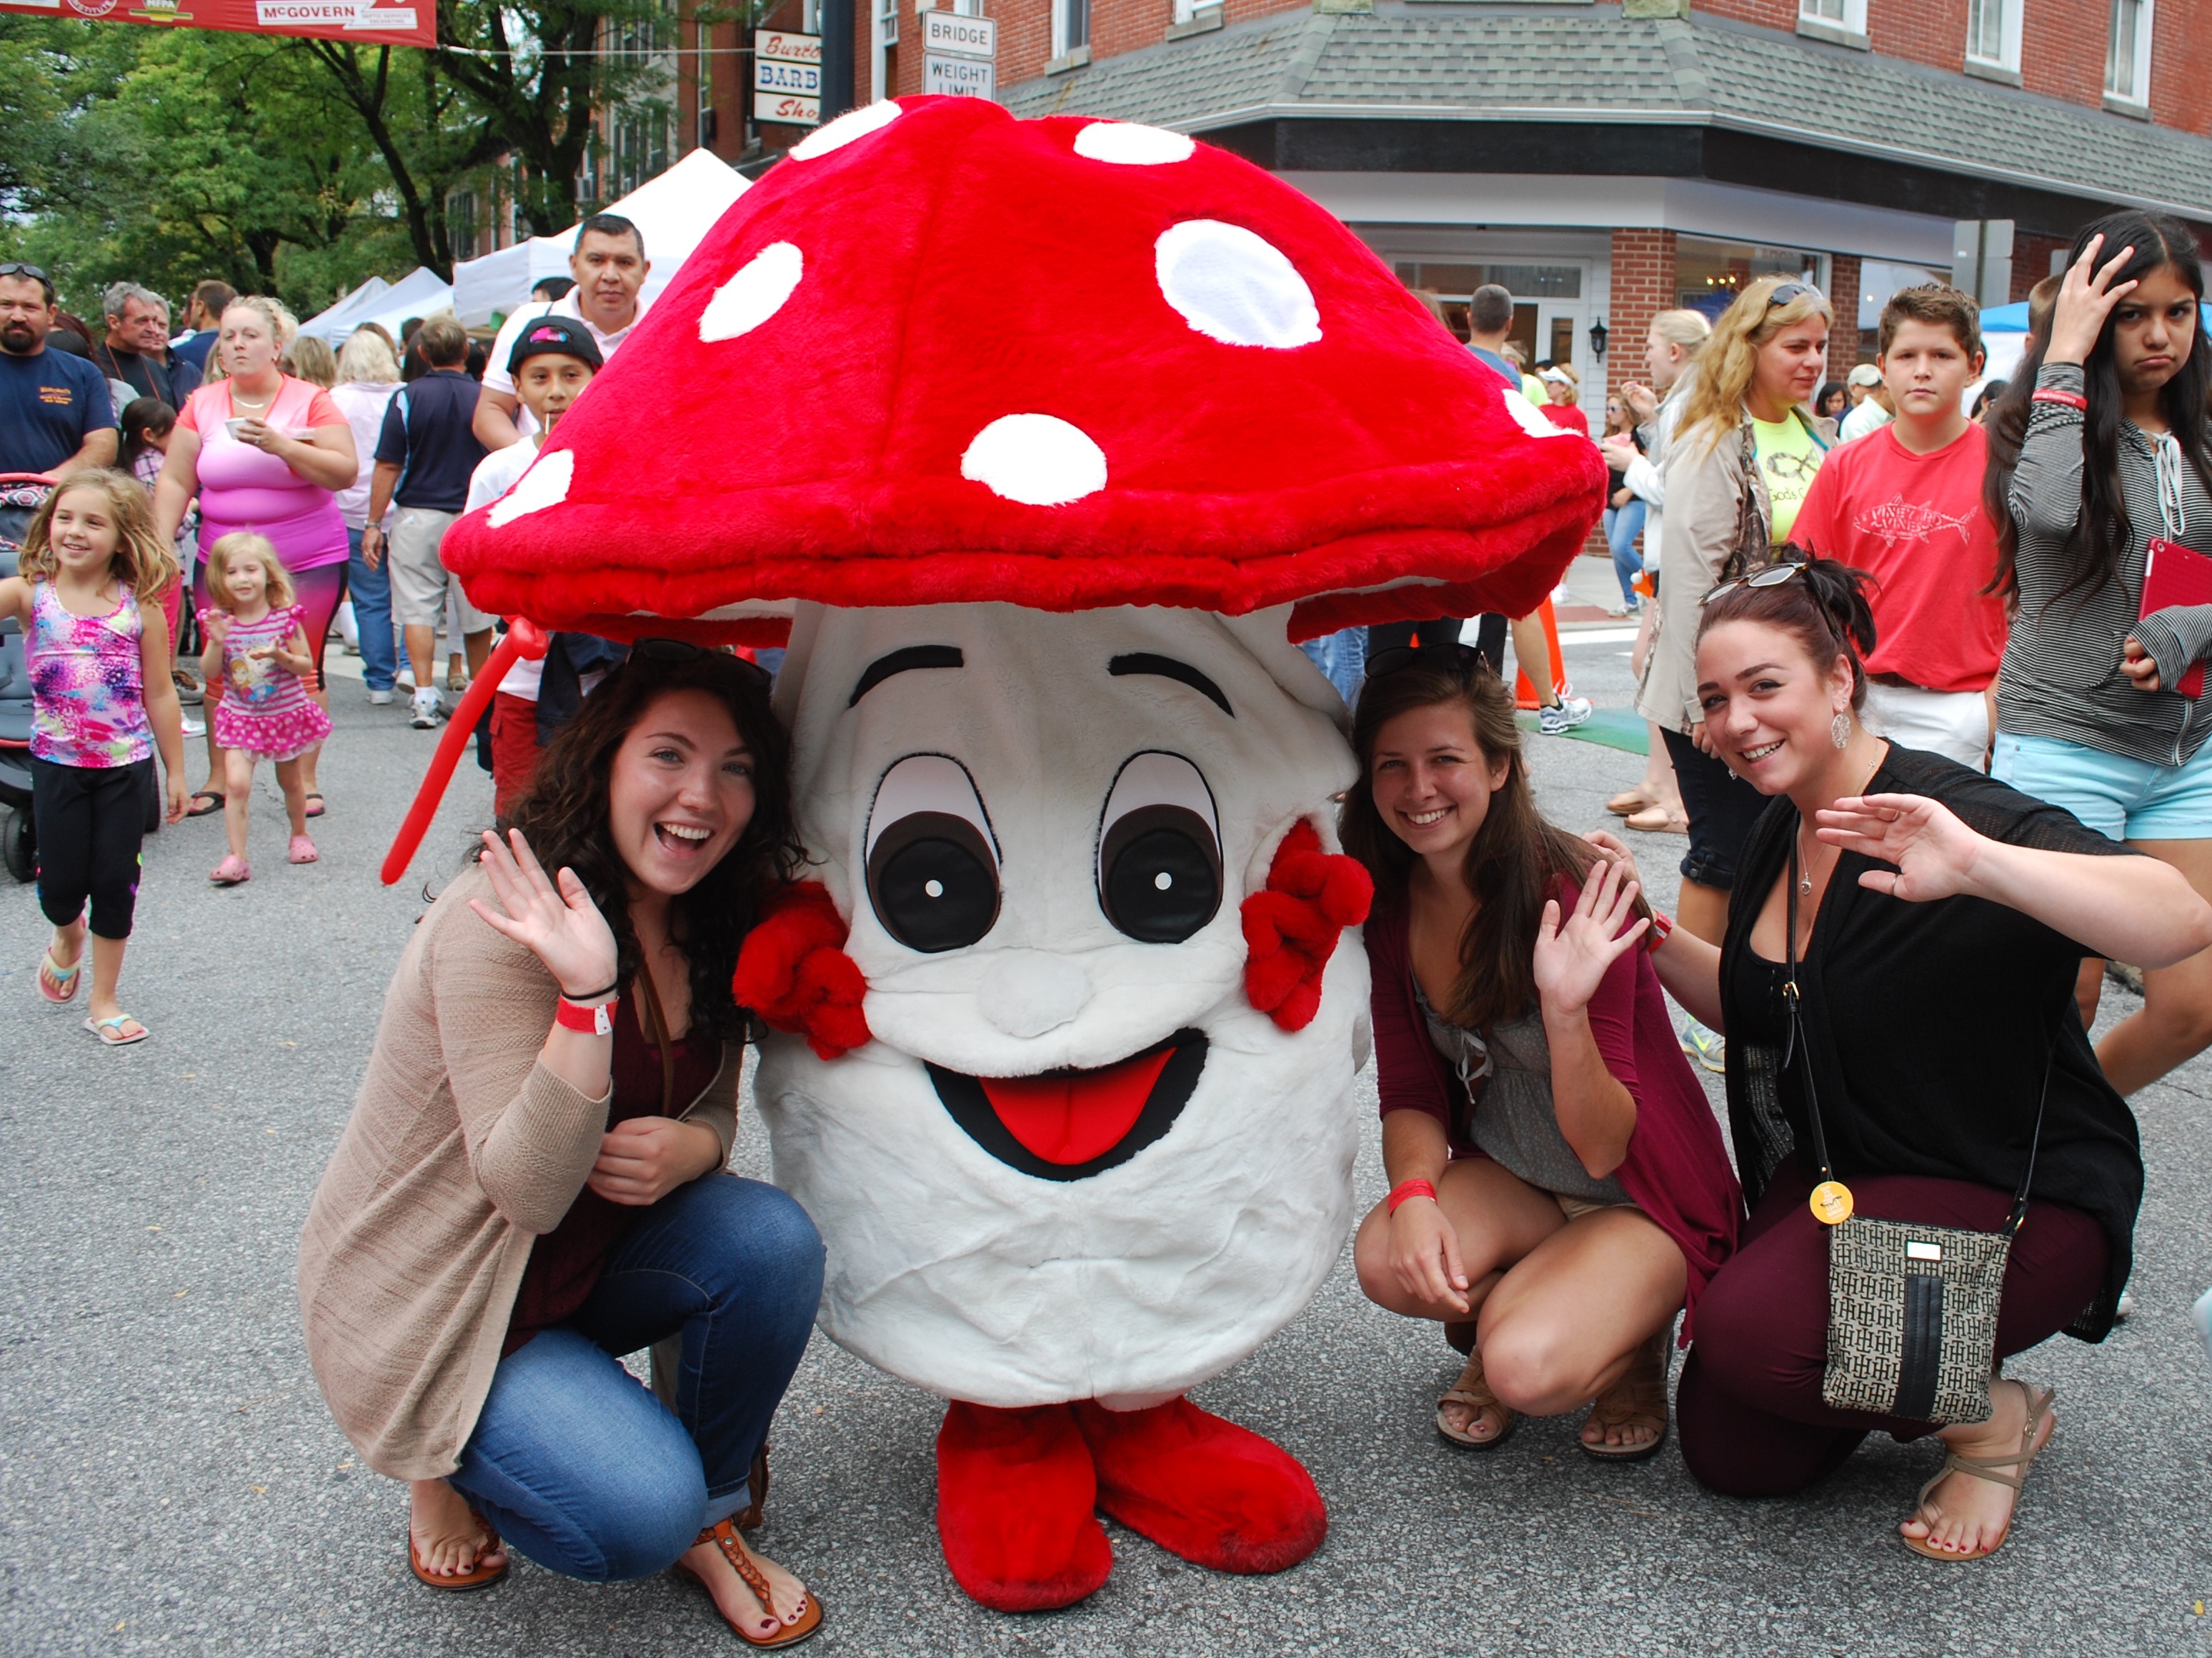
(1564, 715)
(405, 681)
(426, 713)
(194, 727)
(379, 699)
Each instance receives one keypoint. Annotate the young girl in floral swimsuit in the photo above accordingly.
(258, 647)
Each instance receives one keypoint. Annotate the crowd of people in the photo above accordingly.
(1936, 752)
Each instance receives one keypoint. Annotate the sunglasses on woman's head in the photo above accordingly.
(1458, 657)
(683, 650)
(1788, 291)
(1772, 576)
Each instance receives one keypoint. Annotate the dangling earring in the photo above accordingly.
(1839, 729)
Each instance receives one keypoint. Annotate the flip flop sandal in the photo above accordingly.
(214, 797)
(1657, 820)
(724, 1536)
(2038, 1402)
(317, 807)
(1638, 1400)
(66, 977)
(478, 1577)
(110, 1031)
(1628, 802)
(1472, 1391)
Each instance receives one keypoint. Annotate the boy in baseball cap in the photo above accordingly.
(552, 362)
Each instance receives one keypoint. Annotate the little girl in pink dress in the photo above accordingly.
(256, 651)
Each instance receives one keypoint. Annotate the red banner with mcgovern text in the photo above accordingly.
(386, 22)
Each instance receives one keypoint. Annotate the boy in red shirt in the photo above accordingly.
(1905, 504)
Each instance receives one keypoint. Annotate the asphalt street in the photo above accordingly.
(170, 1481)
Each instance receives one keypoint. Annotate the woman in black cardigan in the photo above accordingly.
(1940, 917)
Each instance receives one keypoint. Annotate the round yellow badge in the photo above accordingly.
(1831, 1203)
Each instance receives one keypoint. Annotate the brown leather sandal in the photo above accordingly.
(1638, 1400)
(478, 1577)
(2038, 1402)
(1472, 1391)
(724, 1536)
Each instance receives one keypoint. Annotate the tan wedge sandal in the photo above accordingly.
(1472, 1391)
(2038, 1402)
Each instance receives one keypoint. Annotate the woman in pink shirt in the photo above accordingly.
(263, 452)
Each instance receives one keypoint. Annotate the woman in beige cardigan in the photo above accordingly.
(532, 1183)
(1743, 453)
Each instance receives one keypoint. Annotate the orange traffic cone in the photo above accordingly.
(1524, 691)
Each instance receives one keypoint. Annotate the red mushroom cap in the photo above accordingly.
(939, 355)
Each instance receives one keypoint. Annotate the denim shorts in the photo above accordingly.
(2121, 799)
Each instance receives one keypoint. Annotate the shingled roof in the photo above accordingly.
(1420, 62)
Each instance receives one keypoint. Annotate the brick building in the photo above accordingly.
(1605, 160)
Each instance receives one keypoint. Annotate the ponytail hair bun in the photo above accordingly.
(1824, 607)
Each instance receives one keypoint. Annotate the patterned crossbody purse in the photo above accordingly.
(1912, 1309)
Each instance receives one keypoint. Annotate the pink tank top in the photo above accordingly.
(241, 488)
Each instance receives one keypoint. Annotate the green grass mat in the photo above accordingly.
(1613, 728)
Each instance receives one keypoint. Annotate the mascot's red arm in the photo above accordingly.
(793, 971)
(1291, 925)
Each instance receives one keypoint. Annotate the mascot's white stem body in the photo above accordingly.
(1075, 1162)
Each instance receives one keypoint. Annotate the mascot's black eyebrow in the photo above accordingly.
(1168, 668)
(914, 656)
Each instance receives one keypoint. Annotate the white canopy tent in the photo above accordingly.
(673, 212)
(389, 305)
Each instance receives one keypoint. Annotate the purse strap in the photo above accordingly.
(659, 1020)
(1792, 997)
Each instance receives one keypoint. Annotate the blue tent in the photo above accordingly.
(2013, 319)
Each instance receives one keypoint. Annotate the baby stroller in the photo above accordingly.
(21, 494)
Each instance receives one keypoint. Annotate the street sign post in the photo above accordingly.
(963, 37)
(959, 77)
(960, 55)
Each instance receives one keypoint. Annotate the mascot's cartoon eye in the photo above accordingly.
(1159, 851)
(932, 870)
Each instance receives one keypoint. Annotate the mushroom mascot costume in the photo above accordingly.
(1042, 442)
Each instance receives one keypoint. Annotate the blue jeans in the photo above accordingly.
(1343, 656)
(582, 1469)
(371, 591)
(1622, 525)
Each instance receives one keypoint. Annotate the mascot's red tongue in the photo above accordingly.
(1071, 1117)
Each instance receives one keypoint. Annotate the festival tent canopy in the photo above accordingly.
(416, 295)
(328, 324)
(673, 212)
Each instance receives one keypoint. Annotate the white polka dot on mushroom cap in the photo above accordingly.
(849, 128)
(545, 484)
(1038, 460)
(754, 295)
(1235, 287)
(1132, 144)
(1536, 423)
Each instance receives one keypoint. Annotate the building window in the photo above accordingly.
(1188, 11)
(461, 223)
(1708, 275)
(2127, 55)
(1993, 33)
(1071, 25)
(1831, 18)
(887, 23)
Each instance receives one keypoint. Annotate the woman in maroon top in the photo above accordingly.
(1559, 1189)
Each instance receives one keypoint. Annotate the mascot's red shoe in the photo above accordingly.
(1017, 1505)
(1214, 1493)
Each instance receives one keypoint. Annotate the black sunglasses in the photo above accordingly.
(1772, 576)
(1458, 657)
(683, 650)
(16, 268)
(1788, 291)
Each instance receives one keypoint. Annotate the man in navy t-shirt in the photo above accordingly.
(425, 456)
(55, 413)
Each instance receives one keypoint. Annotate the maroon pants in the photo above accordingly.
(1749, 1409)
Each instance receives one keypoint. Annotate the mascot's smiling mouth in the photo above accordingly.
(1070, 1125)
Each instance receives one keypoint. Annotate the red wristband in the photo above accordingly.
(595, 1021)
(1661, 925)
(1406, 1190)
(2053, 394)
